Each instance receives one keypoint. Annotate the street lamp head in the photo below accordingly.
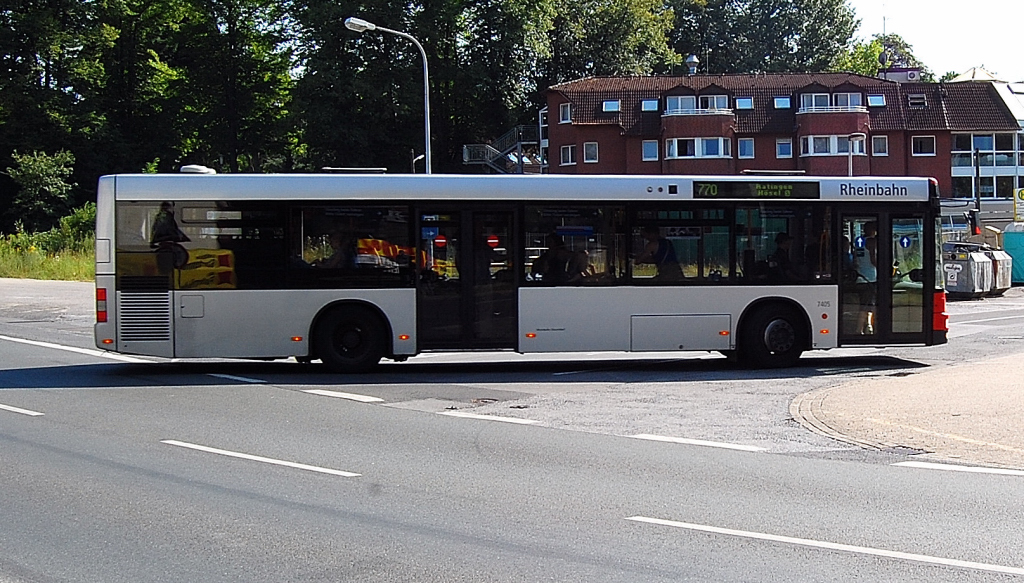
(358, 24)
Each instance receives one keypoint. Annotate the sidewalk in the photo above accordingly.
(968, 414)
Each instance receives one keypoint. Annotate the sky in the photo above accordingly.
(951, 36)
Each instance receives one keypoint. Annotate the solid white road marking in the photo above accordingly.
(20, 410)
(90, 352)
(833, 546)
(232, 377)
(685, 441)
(989, 320)
(488, 417)
(257, 458)
(349, 396)
(956, 468)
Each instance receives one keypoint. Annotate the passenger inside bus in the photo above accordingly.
(343, 253)
(559, 265)
(780, 263)
(659, 252)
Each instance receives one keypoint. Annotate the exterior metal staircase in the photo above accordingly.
(516, 152)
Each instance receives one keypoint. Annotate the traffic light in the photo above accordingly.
(973, 221)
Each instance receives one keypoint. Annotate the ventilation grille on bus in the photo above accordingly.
(144, 317)
(143, 283)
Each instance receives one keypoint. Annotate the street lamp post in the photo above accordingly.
(853, 138)
(360, 25)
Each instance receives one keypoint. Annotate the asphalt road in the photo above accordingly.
(223, 471)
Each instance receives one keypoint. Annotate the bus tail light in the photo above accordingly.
(101, 304)
(940, 320)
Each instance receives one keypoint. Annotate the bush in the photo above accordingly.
(63, 252)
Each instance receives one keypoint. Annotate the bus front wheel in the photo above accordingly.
(772, 338)
(350, 340)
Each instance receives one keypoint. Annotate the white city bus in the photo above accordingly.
(349, 269)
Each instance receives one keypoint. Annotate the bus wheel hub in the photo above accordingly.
(779, 336)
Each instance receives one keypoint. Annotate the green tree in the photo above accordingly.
(235, 59)
(881, 51)
(43, 191)
(899, 53)
(861, 58)
(744, 36)
(608, 37)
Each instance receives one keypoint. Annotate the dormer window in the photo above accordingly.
(876, 101)
(649, 105)
(610, 106)
(782, 102)
(681, 103)
(744, 103)
(917, 100)
(847, 100)
(814, 100)
(714, 102)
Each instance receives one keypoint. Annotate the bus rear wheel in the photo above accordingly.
(350, 340)
(772, 338)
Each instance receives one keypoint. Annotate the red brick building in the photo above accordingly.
(726, 124)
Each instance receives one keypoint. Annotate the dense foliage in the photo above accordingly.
(95, 87)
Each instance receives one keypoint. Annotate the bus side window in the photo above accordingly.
(574, 245)
(353, 247)
(681, 245)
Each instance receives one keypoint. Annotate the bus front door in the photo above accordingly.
(467, 285)
(882, 293)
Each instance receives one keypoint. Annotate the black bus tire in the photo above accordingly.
(773, 337)
(350, 340)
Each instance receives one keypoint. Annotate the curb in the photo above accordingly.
(806, 410)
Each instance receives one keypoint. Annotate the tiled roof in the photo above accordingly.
(958, 107)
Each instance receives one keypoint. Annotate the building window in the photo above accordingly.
(650, 150)
(814, 100)
(963, 187)
(649, 105)
(677, 103)
(1004, 186)
(879, 145)
(829, 146)
(782, 102)
(917, 100)
(569, 155)
(745, 147)
(610, 106)
(876, 101)
(714, 102)
(698, 148)
(847, 99)
(744, 103)
(589, 152)
(923, 145)
(565, 113)
(783, 148)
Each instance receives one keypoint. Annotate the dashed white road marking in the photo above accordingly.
(75, 349)
(488, 417)
(956, 468)
(700, 442)
(21, 411)
(349, 396)
(232, 377)
(833, 546)
(257, 458)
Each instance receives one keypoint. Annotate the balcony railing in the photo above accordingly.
(834, 109)
(713, 111)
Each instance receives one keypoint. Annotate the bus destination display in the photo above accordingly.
(758, 190)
